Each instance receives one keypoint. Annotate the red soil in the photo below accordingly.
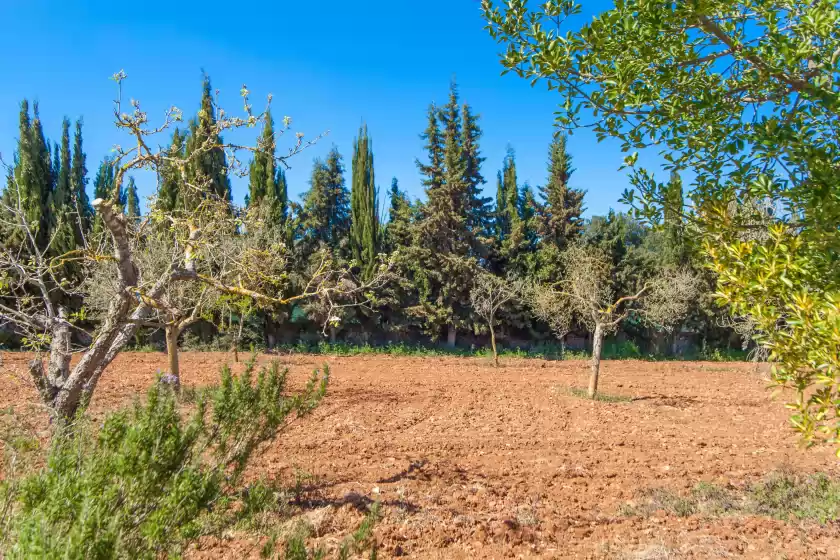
(473, 462)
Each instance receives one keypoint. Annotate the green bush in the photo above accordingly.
(141, 484)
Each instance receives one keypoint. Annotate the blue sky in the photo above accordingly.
(330, 65)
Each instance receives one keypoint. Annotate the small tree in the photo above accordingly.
(586, 295)
(204, 251)
(489, 294)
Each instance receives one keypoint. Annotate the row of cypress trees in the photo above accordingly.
(437, 244)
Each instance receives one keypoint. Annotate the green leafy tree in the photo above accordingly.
(745, 95)
(364, 223)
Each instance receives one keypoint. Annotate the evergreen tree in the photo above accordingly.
(480, 214)
(267, 182)
(400, 218)
(61, 209)
(364, 226)
(103, 183)
(41, 181)
(207, 170)
(673, 208)
(103, 188)
(326, 206)
(563, 206)
(132, 204)
(444, 259)
(559, 221)
(78, 188)
(170, 194)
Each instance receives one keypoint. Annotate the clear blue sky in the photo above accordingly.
(329, 64)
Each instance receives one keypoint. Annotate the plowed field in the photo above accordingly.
(473, 462)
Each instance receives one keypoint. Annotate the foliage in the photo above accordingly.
(139, 486)
(745, 95)
(780, 495)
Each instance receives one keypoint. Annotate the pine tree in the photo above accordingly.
(563, 206)
(364, 225)
(444, 256)
(400, 217)
(78, 188)
(480, 214)
(326, 206)
(132, 204)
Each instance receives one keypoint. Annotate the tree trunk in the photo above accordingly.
(332, 335)
(59, 368)
(236, 340)
(451, 334)
(493, 345)
(597, 346)
(172, 332)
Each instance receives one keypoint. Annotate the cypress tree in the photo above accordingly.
(500, 227)
(132, 205)
(267, 182)
(674, 201)
(78, 188)
(62, 211)
(262, 173)
(42, 180)
(281, 196)
(207, 170)
(103, 188)
(63, 191)
(364, 226)
(170, 194)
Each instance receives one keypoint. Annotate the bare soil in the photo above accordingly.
(473, 462)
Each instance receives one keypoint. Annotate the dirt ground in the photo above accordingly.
(472, 462)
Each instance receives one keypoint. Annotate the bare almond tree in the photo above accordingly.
(489, 294)
(586, 296)
(208, 251)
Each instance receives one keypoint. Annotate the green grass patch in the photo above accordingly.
(781, 495)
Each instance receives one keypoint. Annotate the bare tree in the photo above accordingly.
(586, 296)
(489, 294)
(209, 251)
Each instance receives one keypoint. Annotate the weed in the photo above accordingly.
(781, 495)
(602, 397)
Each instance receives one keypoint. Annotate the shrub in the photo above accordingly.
(140, 485)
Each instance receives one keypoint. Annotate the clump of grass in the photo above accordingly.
(602, 397)
(781, 495)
